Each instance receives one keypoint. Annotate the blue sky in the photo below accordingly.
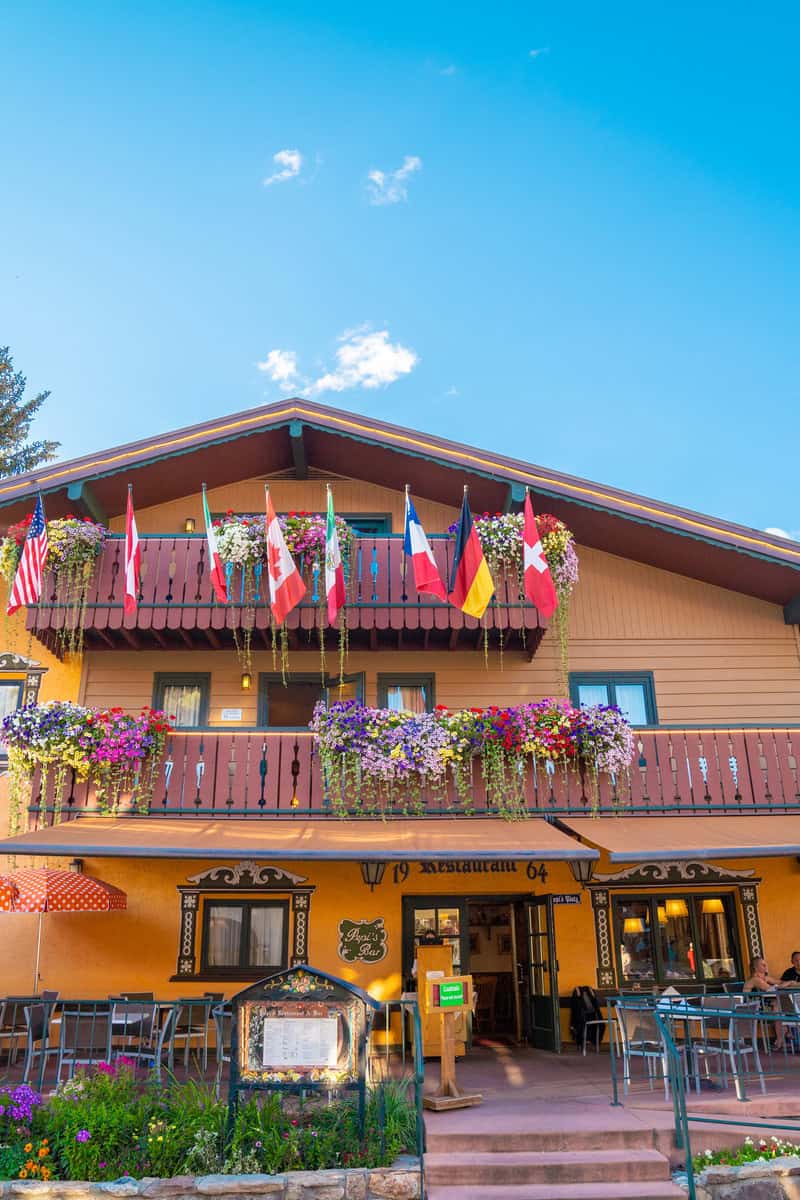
(587, 256)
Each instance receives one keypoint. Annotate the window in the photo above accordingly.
(406, 693)
(184, 698)
(243, 935)
(676, 939)
(633, 693)
(290, 705)
(10, 699)
(369, 524)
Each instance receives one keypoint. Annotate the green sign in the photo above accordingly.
(451, 995)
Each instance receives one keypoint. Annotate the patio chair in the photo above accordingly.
(13, 1030)
(133, 1027)
(735, 1040)
(640, 1037)
(163, 1041)
(86, 1031)
(190, 1025)
(223, 1022)
(37, 1032)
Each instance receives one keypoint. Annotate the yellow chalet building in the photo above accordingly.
(674, 871)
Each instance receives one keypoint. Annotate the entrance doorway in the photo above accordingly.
(507, 944)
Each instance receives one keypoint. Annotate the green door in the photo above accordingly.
(545, 1021)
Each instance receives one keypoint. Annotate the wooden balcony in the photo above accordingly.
(254, 774)
(177, 609)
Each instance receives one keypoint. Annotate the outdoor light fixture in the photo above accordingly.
(633, 925)
(372, 873)
(676, 908)
(582, 869)
(188, 525)
(76, 865)
(713, 906)
(247, 681)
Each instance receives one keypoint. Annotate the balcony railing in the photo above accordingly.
(176, 605)
(257, 773)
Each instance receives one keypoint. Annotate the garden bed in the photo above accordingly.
(109, 1132)
(767, 1169)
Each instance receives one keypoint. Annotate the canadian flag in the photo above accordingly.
(133, 558)
(286, 587)
(539, 586)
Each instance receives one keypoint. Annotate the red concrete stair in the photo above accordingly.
(563, 1191)
(543, 1166)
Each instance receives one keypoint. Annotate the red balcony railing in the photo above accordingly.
(254, 774)
(176, 605)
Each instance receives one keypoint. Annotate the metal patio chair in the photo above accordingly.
(190, 1026)
(13, 1031)
(86, 1032)
(223, 1023)
(640, 1037)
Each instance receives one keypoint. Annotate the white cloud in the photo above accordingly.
(539, 52)
(792, 535)
(450, 69)
(452, 391)
(389, 187)
(290, 163)
(280, 366)
(366, 360)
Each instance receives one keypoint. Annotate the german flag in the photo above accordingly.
(471, 586)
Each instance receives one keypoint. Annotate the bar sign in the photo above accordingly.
(567, 898)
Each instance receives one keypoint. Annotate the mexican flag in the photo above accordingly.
(334, 571)
(214, 560)
(286, 587)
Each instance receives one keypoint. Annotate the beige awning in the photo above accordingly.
(631, 839)
(434, 839)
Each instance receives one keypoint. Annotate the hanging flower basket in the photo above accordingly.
(73, 545)
(501, 535)
(379, 760)
(116, 751)
(242, 546)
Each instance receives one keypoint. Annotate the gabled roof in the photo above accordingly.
(298, 434)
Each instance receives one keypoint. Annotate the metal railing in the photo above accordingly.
(740, 1028)
(255, 773)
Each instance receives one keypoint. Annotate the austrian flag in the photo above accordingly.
(286, 587)
(539, 586)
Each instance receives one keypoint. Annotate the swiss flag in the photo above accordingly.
(539, 586)
(286, 587)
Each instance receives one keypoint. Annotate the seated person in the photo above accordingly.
(792, 973)
(761, 981)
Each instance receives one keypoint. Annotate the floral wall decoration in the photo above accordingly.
(500, 536)
(116, 751)
(377, 760)
(73, 545)
(241, 541)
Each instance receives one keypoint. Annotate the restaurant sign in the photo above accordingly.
(362, 941)
(472, 866)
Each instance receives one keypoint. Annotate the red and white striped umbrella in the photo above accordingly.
(48, 889)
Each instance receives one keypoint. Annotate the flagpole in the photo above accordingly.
(38, 951)
(403, 567)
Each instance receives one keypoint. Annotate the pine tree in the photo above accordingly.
(17, 454)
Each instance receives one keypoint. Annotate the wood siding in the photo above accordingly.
(350, 496)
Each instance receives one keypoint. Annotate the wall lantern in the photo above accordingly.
(714, 905)
(76, 865)
(247, 681)
(188, 525)
(372, 873)
(676, 908)
(582, 869)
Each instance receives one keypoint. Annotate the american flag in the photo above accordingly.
(27, 585)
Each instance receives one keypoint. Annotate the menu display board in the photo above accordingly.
(300, 1042)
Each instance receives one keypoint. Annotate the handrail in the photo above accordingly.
(665, 1017)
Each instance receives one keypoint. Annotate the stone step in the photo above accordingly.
(540, 1139)
(564, 1191)
(545, 1167)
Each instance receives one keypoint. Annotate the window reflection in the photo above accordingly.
(636, 946)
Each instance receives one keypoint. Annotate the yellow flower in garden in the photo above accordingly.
(45, 1173)
(23, 1174)
(43, 1152)
(27, 1147)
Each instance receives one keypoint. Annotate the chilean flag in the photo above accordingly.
(286, 587)
(539, 586)
(133, 558)
(417, 548)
